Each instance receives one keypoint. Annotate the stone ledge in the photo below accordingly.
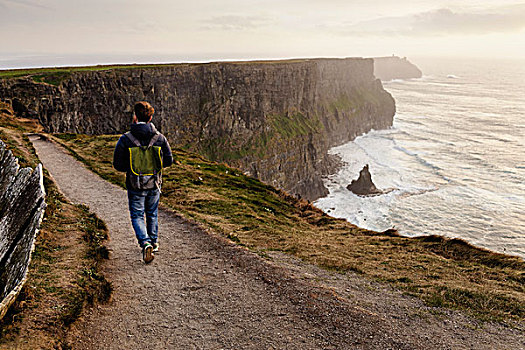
(22, 204)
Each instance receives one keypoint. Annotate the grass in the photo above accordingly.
(353, 101)
(28, 71)
(440, 271)
(279, 130)
(39, 74)
(55, 75)
(63, 275)
(53, 78)
(294, 125)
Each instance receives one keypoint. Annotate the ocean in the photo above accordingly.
(455, 156)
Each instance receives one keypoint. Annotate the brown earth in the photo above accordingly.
(204, 292)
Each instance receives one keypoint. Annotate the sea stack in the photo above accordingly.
(364, 186)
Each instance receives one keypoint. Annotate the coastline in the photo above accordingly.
(448, 185)
(373, 212)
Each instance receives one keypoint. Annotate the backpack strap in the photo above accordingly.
(133, 139)
(137, 143)
(154, 139)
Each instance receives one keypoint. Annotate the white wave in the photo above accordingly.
(396, 80)
(453, 157)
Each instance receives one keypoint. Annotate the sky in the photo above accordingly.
(200, 30)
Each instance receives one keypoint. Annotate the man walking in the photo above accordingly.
(142, 153)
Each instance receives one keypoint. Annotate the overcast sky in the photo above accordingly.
(226, 29)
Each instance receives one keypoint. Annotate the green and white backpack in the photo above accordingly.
(145, 163)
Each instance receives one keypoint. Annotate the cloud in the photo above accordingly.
(442, 22)
(143, 27)
(236, 22)
(26, 3)
(19, 11)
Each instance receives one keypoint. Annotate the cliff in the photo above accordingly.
(275, 120)
(393, 67)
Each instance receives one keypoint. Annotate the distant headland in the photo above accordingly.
(394, 67)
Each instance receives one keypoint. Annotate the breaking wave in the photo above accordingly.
(453, 157)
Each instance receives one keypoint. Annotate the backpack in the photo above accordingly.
(145, 164)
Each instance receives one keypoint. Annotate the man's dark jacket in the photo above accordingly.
(143, 133)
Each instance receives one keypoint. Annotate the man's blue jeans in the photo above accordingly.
(144, 203)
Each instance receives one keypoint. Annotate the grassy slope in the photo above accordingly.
(63, 275)
(443, 272)
(55, 75)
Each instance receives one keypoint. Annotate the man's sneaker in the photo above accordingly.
(147, 253)
(155, 247)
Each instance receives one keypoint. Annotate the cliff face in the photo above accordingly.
(393, 67)
(275, 120)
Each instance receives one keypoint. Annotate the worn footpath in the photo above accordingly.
(203, 292)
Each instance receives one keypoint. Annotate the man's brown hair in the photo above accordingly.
(143, 111)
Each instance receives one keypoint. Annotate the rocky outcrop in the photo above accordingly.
(275, 120)
(21, 209)
(364, 186)
(393, 67)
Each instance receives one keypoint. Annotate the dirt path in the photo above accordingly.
(202, 292)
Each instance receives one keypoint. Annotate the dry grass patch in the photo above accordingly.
(441, 271)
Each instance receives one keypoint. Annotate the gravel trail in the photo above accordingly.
(203, 292)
